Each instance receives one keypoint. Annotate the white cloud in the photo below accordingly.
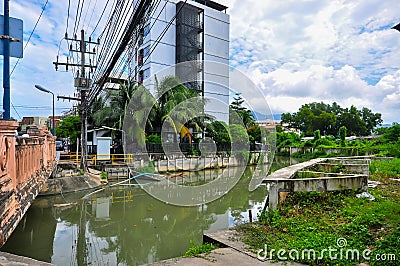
(303, 51)
(295, 51)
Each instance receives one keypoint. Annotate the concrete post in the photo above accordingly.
(273, 194)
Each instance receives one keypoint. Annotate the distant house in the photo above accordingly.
(39, 121)
(57, 120)
(269, 125)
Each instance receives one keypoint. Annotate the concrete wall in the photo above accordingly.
(25, 165)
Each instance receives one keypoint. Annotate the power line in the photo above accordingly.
(69, 6)
(122, 44)
(163, 33)
(101, 16)
(30, 36)
(91, 16)
(87, 10)
(15, 110)
(76, 24)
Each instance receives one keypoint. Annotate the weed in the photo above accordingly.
(198, 250)
(104, 175)
(316, 220)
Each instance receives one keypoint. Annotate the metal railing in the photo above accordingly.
(96, 159)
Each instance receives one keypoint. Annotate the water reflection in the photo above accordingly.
(124, 225)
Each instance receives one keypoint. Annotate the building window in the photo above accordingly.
(146, 73)
(146, 50)
(140, 77)
(140, 57)
(146, 30)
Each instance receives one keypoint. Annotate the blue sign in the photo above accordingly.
(16, 32)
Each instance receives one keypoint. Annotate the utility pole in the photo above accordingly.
(6, 64)
(82, 83)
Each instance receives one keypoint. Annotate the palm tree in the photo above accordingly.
(110, 109)
(138, 115)
(177, 105)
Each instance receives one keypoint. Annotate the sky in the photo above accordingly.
(296, 52)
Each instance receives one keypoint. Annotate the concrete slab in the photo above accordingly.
(221, 257)
(288, 172)
(7, 259)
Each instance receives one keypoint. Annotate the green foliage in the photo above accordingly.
(69, 127)
(238, 135)
(153, 138)
(392, 134)
(254, 133)
(390, 167)
(342, 135)
(104, 175)
(245, 115)
(173, 95)
(198, 250)
(149, 168)
(110, 109)
(327, 142)
(389, 246)
(317, 135)
(305, 174)
(287, 139)
(219, 132)
(316, 220)
(329, 118)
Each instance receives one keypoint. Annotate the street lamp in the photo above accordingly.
(396, 27)
(47, 91)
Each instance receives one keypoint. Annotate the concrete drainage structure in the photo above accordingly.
(322, 174)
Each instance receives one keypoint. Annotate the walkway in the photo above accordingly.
(7, 259)
(221, 257)
(234, 253)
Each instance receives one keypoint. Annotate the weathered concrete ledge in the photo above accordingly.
(70, 184)
(290, 171)
(7, 259)
(353, 174)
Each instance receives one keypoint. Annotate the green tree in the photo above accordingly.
(139, 115)
(69, 127)
(245, 114)
(219, 132)
(392, 134)
(185, 103)
(254, 133)
(329, 118)
(371, 119)
(342, 135)
(113, 113)
(317, 135)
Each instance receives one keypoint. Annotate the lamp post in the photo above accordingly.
(396, 27)
(47, 91)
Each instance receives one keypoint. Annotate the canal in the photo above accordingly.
(124, 225)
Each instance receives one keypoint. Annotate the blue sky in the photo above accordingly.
(295, 51)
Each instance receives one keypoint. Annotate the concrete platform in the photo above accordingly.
(7, 259)
(234, 252)
(220, 257)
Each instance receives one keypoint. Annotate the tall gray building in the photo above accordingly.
(200, 32)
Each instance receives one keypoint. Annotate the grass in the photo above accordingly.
(199, 250)
(104, 175)
(317, 220)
